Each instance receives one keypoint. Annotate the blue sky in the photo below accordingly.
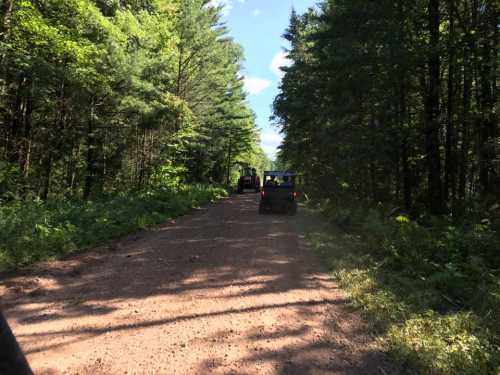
(257, 25)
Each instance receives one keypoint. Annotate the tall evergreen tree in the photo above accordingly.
(100, 95)
(393, 101)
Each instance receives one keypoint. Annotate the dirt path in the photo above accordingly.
(220, 291)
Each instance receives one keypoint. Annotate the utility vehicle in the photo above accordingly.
(279, 193)
(248, 180)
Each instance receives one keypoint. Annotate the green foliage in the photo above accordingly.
(111, 114)
(382, 107)
(169, 176)
(96, 95)
(34, 231)
(9, 178)
(384, 102)
(255, 158)
(432, 293)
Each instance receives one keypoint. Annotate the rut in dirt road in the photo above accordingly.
(220, 291)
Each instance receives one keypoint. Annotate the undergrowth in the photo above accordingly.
(35, 231)
(432, 293)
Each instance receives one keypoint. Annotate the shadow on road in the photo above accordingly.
(242, 292)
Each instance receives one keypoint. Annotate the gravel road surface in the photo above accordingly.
(222, 290)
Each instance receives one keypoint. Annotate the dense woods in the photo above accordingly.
(105, 96)
(395, 101)
(390, 111)
(114, 115)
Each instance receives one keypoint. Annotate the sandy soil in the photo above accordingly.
(220, 291)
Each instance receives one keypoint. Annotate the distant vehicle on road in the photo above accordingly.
(249, 180)
(279, 193)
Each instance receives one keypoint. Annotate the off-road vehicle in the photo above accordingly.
(248, 180)
(279, 193)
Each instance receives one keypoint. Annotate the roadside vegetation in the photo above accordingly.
(114, 115)
(431, 293)
(35, 231)
(389, 110)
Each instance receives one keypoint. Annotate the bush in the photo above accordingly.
(34, 231)
(432, 293)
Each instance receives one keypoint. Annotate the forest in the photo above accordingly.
(395, 102)
(108, 100)
(97, 96)
(117, 115)
(390, 111)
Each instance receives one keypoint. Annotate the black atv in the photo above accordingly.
(278, 193)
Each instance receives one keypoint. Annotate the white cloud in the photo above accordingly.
(279, 60)
(270, 141)
(254, 85)
(256, 12)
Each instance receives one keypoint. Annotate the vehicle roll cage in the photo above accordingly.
(279, 174)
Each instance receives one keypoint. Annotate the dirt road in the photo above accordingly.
(220, 291)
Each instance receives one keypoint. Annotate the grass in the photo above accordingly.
(37, 231)
(431, 294)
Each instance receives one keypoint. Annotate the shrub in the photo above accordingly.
(34, 231)
(432, 293)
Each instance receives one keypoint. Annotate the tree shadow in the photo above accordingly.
(223, 262)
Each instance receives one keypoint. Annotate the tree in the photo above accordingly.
(100, 96)
(364, 111)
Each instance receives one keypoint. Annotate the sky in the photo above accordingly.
(257, 25)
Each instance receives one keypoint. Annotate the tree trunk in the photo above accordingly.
(71, 174)
(432, 126)
(27, 136)
(495, 182)
(89, 179)
(229, 157)
(466, 106)
(373, 181)
(143, 166)
(5, 16)
(47, 166)
(397, 193)
(406, 176)
(487, 87)
(468, 74)
(55, 139)
(16, 120)
(450, 164)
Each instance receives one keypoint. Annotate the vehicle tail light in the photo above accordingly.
(295, 194)
(262, 193)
